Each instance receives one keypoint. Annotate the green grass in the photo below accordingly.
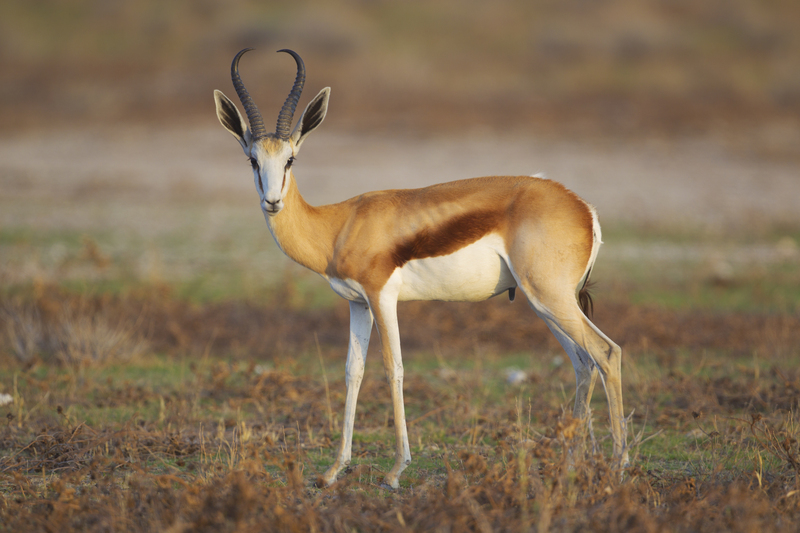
(162, 391)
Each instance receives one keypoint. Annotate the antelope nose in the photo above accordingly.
(271, 207)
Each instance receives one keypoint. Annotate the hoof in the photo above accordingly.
(388, 485)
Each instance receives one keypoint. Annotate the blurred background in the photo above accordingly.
(678, 119)
(616, 67)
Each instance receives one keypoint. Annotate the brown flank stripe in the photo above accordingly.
(450, 237)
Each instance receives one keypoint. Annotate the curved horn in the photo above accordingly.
(257, 128)
(283, 129)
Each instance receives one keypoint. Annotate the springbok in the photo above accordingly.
(466, 240)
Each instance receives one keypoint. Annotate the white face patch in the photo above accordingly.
(271, 175)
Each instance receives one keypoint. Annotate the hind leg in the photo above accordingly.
(590, 351)
(585, 377)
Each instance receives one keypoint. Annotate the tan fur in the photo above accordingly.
(365, 238)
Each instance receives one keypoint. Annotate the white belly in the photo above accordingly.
(474, 273)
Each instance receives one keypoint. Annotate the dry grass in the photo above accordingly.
(230, 428)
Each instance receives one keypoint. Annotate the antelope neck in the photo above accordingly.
(304, 232)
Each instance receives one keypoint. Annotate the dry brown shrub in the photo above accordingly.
(70, 330)
(72, 327)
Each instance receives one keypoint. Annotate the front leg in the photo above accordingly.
(360, 329)
(386, 319)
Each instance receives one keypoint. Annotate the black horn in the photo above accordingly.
(284, 127)
(257, 128)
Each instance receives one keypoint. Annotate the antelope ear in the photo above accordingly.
(312, 117)
(231, 119)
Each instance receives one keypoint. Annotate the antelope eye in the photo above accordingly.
(290, 162)
(254, 163)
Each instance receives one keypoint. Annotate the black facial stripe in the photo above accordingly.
(256, 169)
(286, 170)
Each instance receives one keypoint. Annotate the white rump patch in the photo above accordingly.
(597, 240)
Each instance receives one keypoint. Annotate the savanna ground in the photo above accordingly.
(163, 367)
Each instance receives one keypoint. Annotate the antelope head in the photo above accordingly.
(271, 154)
